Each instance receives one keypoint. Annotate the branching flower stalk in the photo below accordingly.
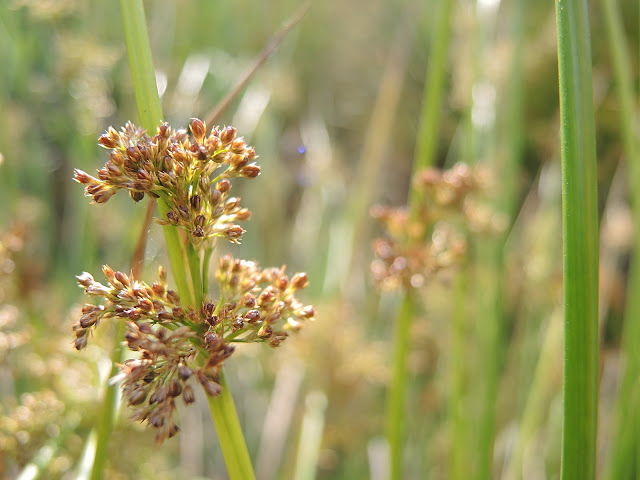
(177, 341)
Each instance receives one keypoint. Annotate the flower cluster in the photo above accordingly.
(180, 170)
(434, 238)
(177, 343)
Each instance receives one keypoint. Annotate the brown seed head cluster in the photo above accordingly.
(258, 305)
(417, 247)
(177, 343)
(255, 306)
(190, 173)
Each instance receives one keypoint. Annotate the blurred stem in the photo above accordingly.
(234, 449)
(109, 407)
(224, 414)
(580, 241)
(311, 437)
(396, 407)
(427, 140)
(424, 157)
(623, 462)
(458, 417)
(542, 389)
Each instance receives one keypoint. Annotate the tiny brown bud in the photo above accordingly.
(135, 195)
(200, 221)
(158, 396)
(157, 288)
(163, 130)
(223, 186)
(228, 135)
(133, 153)
(122, 278)
(300, 281)
(81, 340)
(252, 316)
(208, 309)
(175, 388)
(308, 312)
(196, 202)
(198, 128)
(184, 372)
(211, 387)
(234, 232)
(138, 396)
(248, 300)
(188, 395)
(250, 171)
(283, 283)
(173, 297)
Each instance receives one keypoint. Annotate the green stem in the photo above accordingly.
(205, 270)
(234, 449)
(425, 153)
(150, 112)
(108, 409)
(580, 241)
(196, 273)
(427, 139)
(396, 407)
(626, 435)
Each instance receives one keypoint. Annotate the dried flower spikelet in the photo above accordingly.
(178, 170)
(434, 239)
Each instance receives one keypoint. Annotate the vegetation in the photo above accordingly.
(457, 179)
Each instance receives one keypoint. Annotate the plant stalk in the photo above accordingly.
(580, 241)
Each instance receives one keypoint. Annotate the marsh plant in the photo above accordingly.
(182, 342)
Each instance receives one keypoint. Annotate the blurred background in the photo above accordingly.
(334, 115)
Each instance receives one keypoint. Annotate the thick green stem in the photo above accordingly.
(580, 241)
(234, 449)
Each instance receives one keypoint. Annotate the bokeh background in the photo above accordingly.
(334, 115)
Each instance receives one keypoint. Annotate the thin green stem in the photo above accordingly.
(427, 140)
(424, 156)
(234, 449)
(196, 273)
(626, 435)
(150, 112)
(396, 407)
(205, 270)
(580, 241)
(108, 408)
